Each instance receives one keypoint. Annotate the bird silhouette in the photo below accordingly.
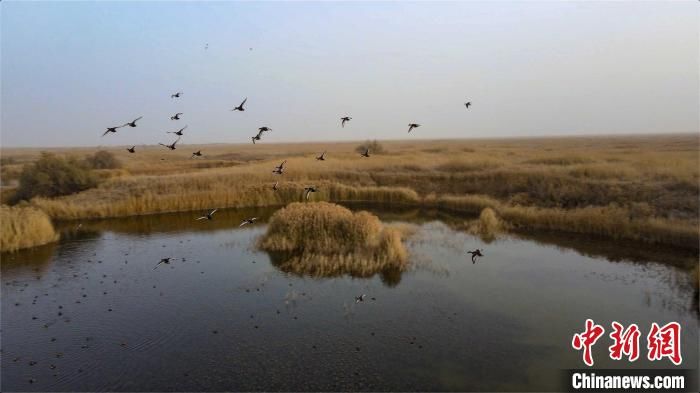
(163, 260)
(322, 157)
(131, 149)
(309, 190)
(208, 216)
(248, 221)
(176, 116)
(178, 132)
(360, 298)
(132, 123)
(279, 169)
(475, 253)
(412, 126)
(275, 186)
(343, 120)
(171, 146)
(468, 104)
(366, 153)
(111, 129)
(176, 95)
(240, 107)
(198, 153)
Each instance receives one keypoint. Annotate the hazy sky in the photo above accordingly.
(71, 69)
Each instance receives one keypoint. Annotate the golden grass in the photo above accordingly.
(633, 187)
(23, 227)
(325, 239)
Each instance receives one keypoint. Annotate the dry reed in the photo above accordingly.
(23, 227)
(322, 238)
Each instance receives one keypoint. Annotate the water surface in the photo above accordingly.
(94, 315)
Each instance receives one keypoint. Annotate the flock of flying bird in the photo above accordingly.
(278, 170)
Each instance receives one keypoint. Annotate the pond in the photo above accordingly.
(91, 313)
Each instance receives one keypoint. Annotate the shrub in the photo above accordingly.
(22, 227)
(103, 160)
(374, 147)
(52, 176)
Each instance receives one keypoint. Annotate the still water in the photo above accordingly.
(91, 314)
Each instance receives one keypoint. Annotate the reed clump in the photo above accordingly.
(322, 238)
(24, 227)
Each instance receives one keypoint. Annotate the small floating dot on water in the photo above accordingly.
(32, 362)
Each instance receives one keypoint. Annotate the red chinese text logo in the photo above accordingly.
(662, 342)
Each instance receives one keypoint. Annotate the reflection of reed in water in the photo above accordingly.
(327, 240)
(35, 258)
(335, 265)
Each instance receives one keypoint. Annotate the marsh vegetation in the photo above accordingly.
(325, 239)
(23, 227)
(641, 188)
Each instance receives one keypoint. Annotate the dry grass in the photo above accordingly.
(24, 227)
(327, 228)
(325, 239)
(642, 187)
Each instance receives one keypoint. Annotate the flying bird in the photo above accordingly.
(176, 95)
(261, 130)
(178, 132)
(198, 153)
(248, 221)
(112, 129)
(240, 107)
(366, 153)
(360, 298)
(412, 126)
(163, 260)
(475, 253)
(171, 146)
(206, 46)
(208, 216)
(344, 119)
(131, 149)
(309, 190)
(322, 157)
(275, 186)
(132, 123)
(176, 116)
(468, 104)
(279, 169)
